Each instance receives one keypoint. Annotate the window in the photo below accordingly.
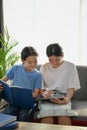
(41, 22)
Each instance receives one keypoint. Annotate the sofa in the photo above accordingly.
(79, 100)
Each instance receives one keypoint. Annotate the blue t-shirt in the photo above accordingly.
(23, 78)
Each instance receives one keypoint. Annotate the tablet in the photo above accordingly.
(56, 94)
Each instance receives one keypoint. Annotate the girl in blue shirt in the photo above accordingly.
(24, 76)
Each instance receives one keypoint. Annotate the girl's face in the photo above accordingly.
(55, 61)
(30, 63)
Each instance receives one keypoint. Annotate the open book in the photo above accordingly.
(55, 94)
(17, 97)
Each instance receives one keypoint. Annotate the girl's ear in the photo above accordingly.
(22, 60)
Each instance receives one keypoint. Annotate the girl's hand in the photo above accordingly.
(47, 93)
(61, 101)
(1, 88)
(65, 100)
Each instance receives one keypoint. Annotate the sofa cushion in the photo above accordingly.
(80, 106)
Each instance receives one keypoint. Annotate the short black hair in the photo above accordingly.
(28, 51)
(54, 49)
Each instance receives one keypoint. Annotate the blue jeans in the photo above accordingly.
(22, 114)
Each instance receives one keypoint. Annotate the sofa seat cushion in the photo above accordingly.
(80, 106)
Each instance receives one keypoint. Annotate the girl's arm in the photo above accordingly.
(70, 93)
(5, 78)
(36, 92)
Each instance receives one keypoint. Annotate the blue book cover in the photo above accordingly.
(6, 93)
(17, 97)
(6, 119)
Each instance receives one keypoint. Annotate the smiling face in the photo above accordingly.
(55, 54)
(30, 63)
(55, 61)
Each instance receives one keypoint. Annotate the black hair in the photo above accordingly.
(54, 49)
(28, 51)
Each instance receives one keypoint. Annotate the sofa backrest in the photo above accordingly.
(80, 94)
